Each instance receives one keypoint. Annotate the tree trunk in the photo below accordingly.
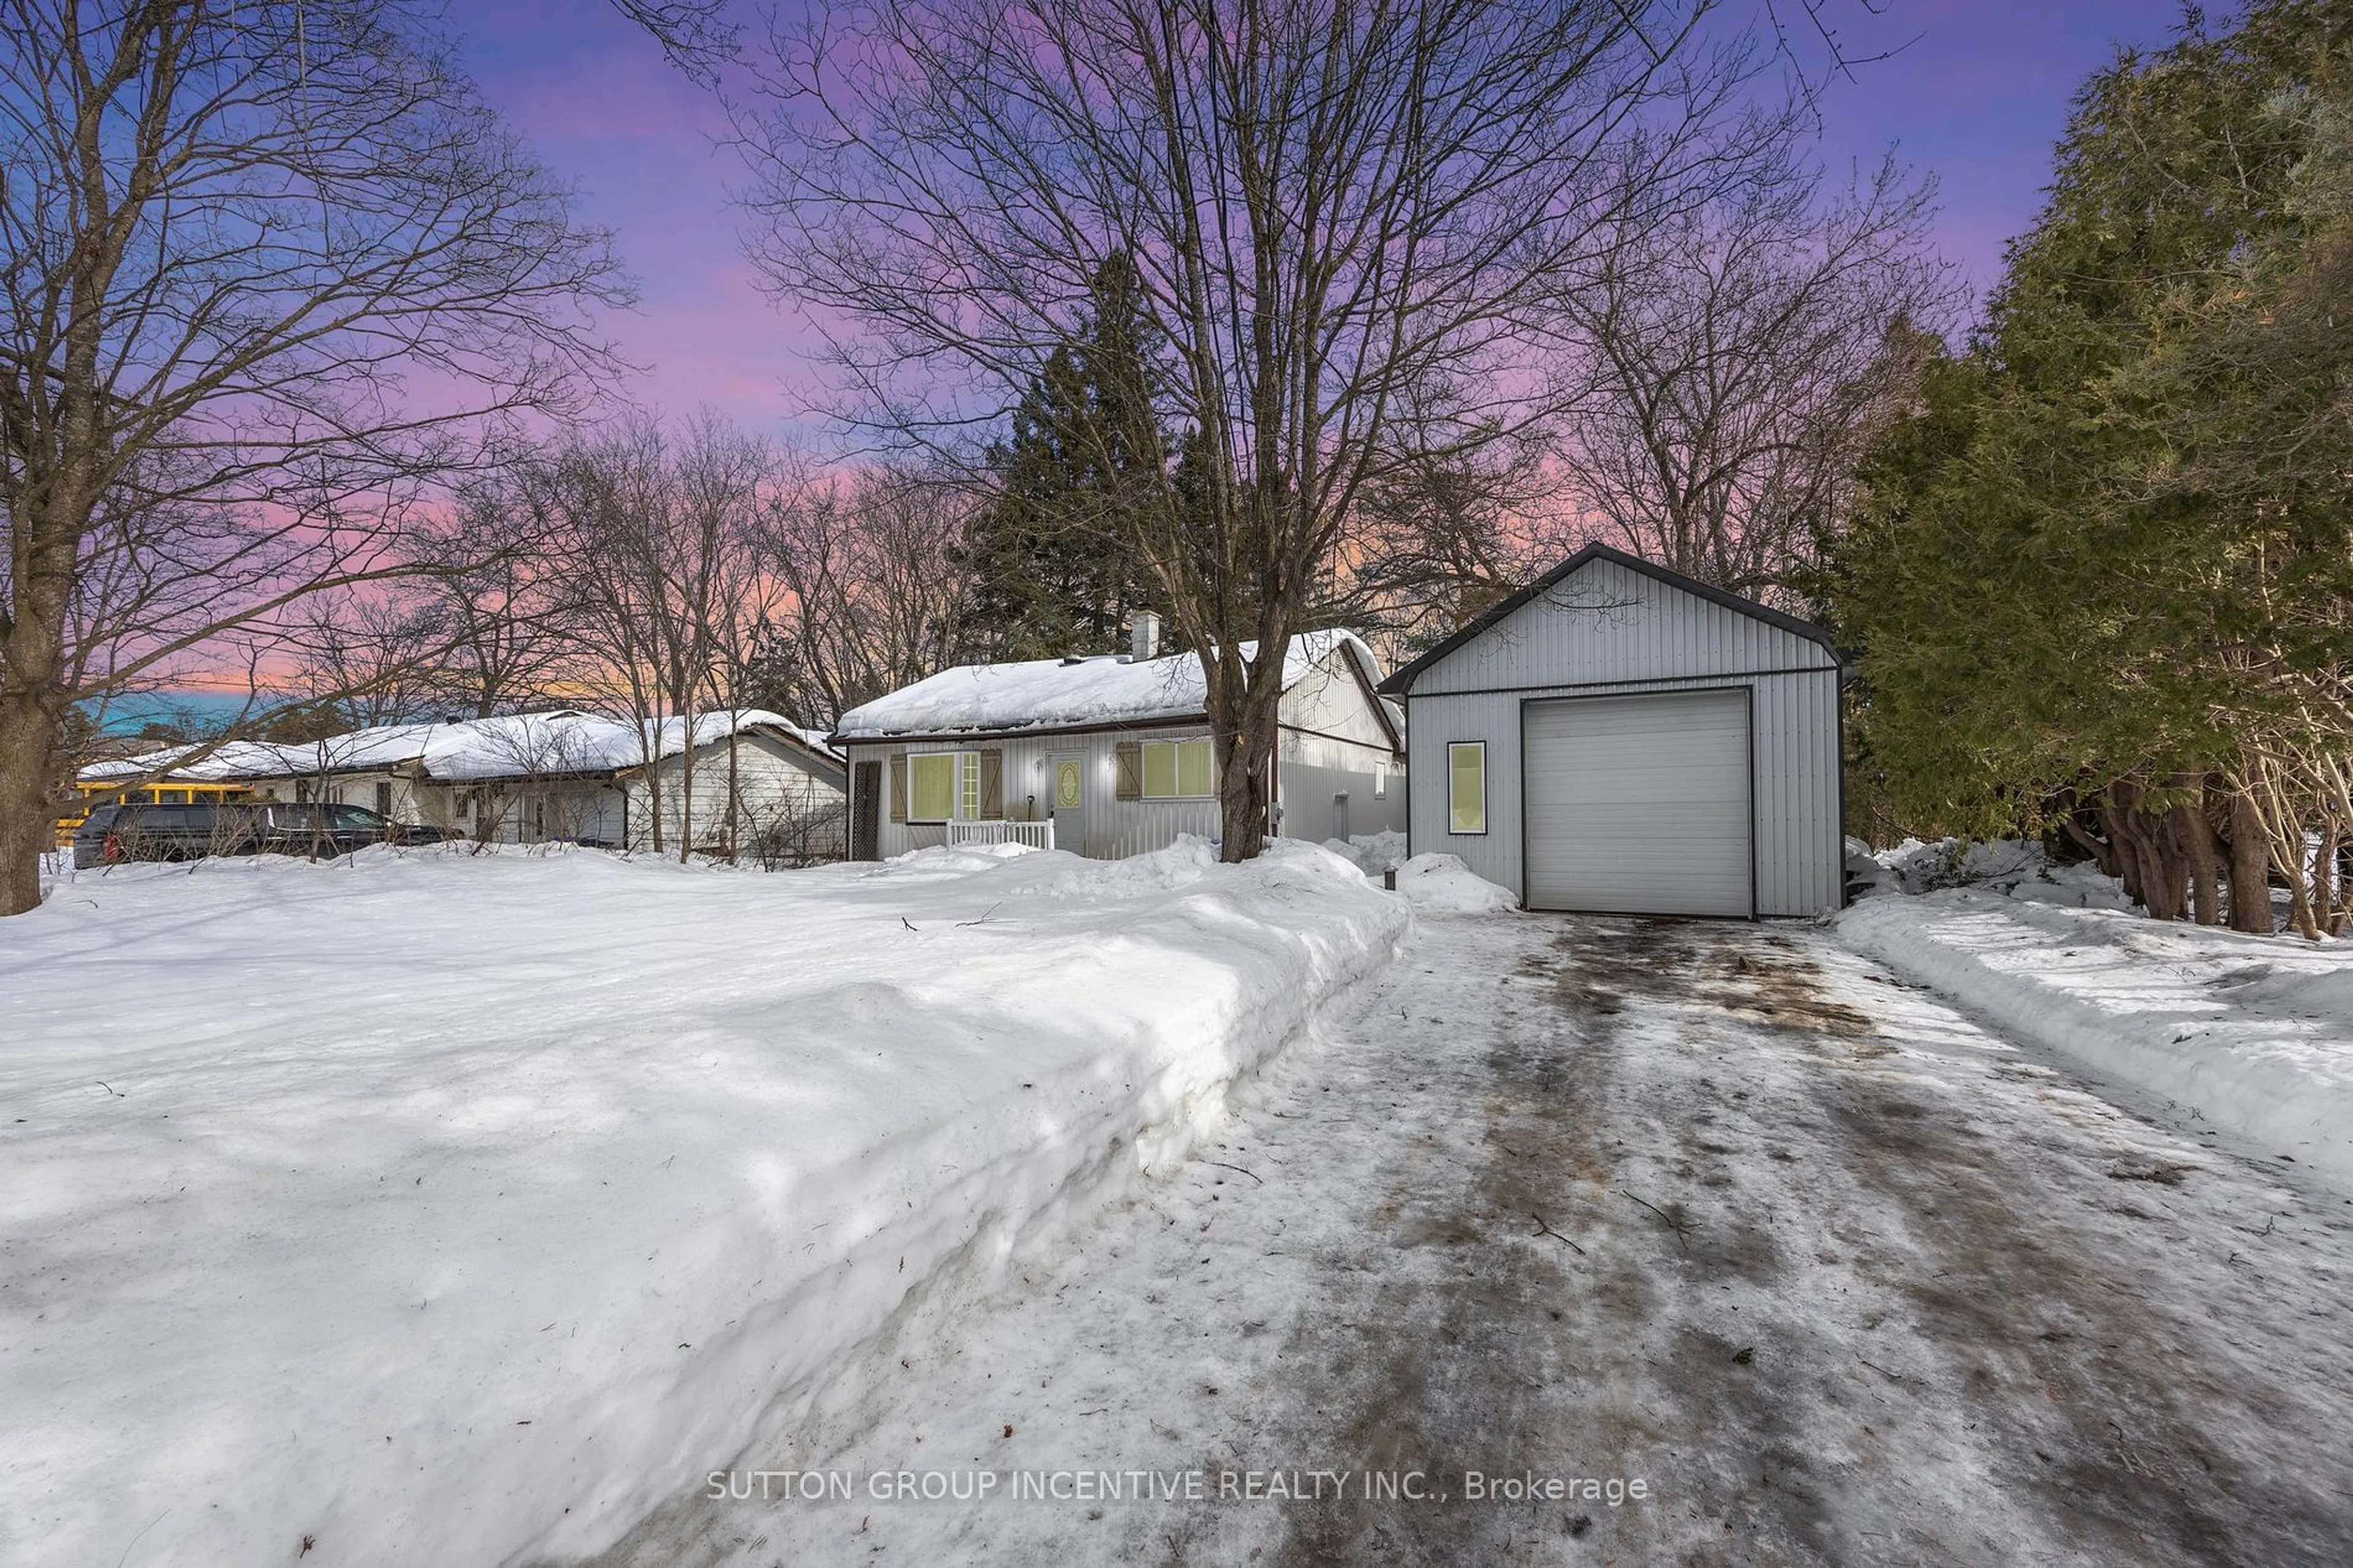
(2324, 891)
(2163, 879)
(2195, 837)
(2149, 880)
(33, 701)
(27, 818)
(2251, 893)
(2103, 851)
(686, 789)
(734, 829)
(2117, 824)
(1249, 722)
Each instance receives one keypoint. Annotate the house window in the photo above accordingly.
(1381, 781)
(1466, 786)
(384, 799)
(943, 784)
(1178, 770)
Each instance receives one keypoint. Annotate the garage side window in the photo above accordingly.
(1466, 786)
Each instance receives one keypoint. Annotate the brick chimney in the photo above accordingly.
(1144, 635)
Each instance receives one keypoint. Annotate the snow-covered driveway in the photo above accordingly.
(1721, 1209)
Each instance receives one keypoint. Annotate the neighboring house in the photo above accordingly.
(1620, 738)
(760, 785)
(1115, 751)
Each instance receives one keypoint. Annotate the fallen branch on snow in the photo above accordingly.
(1544, 1229)
(1671, 1222)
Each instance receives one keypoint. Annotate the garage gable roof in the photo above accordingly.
(1401, 680)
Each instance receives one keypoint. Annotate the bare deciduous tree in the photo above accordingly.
(657, 533)
(1445, 530)
(1731, 354)
(871, 597)
(372, 658)
(259, 263)
(1326, 206)
(494, 593)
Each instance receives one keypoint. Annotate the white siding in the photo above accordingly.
(772, 792)
(414, 800)
(1611, 629)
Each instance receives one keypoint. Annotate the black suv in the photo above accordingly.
(116, 832)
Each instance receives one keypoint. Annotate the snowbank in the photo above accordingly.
(432, 1209)
(2015, 867)
(2255, 1032)
(1442, 884)
(1371, 853)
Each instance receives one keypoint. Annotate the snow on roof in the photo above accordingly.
(513, 745)
(1052, 693)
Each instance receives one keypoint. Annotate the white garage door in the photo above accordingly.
(1640, 805)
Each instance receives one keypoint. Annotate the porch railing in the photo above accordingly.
(1037, 835)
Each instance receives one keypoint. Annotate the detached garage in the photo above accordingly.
(1619, 738)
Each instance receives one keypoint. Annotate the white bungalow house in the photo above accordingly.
(1110, 755)
(760, 784)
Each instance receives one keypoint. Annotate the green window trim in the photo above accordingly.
(1466, 786)
(1179, 769)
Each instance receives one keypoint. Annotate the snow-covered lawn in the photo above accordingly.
(440, 1209)
(2254, 1032)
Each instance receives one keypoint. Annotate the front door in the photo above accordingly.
(866, 812)
(1066, 798)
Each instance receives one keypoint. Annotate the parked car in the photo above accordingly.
(325, 829)
(322, 830)
(141, 832)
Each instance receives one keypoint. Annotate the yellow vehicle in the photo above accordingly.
(176, 793)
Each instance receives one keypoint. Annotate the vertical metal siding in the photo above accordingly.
(1609, 629)
(1797, 843)
(1607, 624)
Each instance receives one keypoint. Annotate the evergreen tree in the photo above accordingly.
(1054, 565)
(2102, 573)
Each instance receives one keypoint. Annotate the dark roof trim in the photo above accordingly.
(1103, 726)
(1365, 684)
(1401, 680)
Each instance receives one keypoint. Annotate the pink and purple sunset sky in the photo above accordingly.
(1976, 97)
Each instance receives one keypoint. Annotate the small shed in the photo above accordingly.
(1619, 738)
